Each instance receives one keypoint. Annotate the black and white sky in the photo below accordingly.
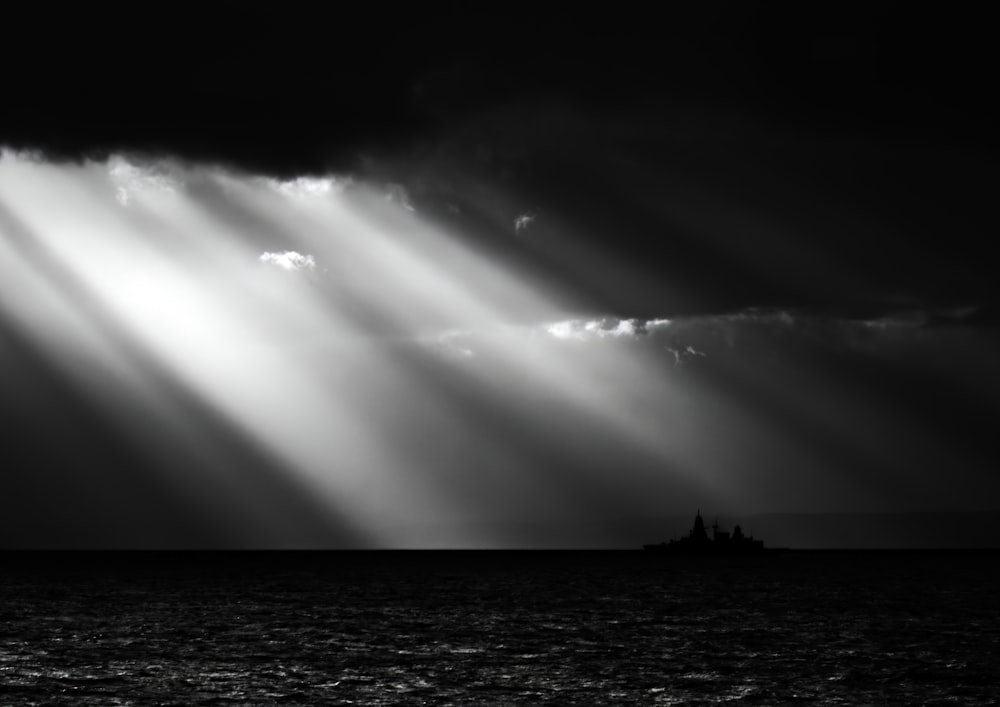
(491, 275)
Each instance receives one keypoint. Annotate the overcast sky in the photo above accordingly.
(277, 276)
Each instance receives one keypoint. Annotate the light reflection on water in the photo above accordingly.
(501, 628)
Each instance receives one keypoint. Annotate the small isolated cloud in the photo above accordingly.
(522, 222)
(289, 260)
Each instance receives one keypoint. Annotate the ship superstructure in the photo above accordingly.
(721, 542)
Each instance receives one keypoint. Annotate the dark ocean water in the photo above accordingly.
(499, 628)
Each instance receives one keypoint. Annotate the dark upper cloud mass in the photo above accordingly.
(788, 154)
(271, 83)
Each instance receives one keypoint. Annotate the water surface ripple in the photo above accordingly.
(498, 629)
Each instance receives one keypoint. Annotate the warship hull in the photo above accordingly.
(698, 543)
(673, 550)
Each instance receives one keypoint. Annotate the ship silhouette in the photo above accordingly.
(698, 543)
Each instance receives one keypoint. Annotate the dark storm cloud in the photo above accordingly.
(770, 154)
(692, 207)
(767, 227)
(279, 88)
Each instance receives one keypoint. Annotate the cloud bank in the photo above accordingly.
(752, 332)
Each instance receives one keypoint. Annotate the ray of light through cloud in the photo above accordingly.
(401, 379)
(268, 353)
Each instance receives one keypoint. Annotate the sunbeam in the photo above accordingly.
(385, 354)
(133, 277)
(343, 370)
